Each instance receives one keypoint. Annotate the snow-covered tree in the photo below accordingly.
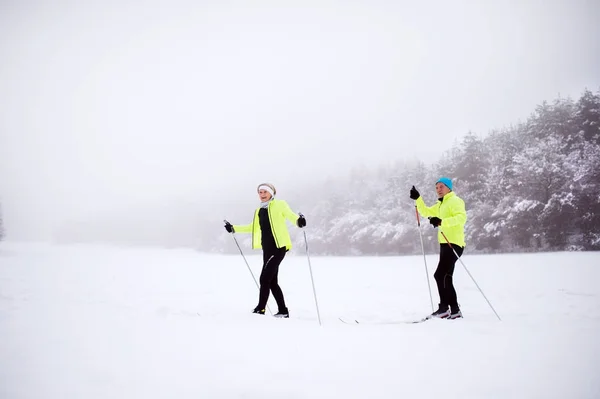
(588, 116)
(527, 187)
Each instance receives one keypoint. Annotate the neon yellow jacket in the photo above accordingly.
(279, 211)
(452, 212)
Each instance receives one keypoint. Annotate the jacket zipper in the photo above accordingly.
(271, 223)
(440, 208)
(253, 224)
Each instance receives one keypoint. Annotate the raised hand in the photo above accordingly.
(414, 193)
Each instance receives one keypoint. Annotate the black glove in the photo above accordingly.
(229, 227)
(301, 222)
(414, 194)
(435, 221)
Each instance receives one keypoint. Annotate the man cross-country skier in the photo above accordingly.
(450, 216)
(270, 233)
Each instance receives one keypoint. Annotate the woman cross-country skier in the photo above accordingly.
(269, 232)
(449, 214)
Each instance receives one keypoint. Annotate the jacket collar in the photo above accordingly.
(449, 195)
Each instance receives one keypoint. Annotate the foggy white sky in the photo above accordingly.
(109, 104)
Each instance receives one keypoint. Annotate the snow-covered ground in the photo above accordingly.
(101, 322)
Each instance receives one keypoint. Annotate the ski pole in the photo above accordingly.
(311, 275)
(424, 257)
(467, 270)
(247, 265)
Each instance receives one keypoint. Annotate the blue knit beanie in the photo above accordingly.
(446, 181)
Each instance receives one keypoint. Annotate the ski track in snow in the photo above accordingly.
(86, 321)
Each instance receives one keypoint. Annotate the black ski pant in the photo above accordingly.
(268, 278)
(443, 275)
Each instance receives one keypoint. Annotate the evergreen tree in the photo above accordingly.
(586, 180)
(588, 116)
